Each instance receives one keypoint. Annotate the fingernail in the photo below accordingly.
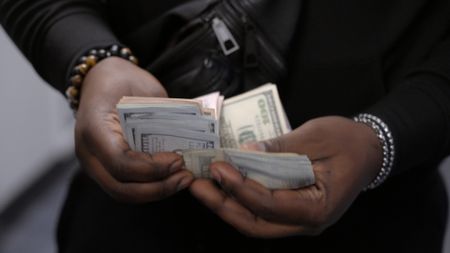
(216, 175)
(185, 182)
(176, 165)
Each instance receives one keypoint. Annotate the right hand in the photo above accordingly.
(345, 156)
(100, 145)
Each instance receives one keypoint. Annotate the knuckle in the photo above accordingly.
(162, 192)
(321, 212)
(279, 144)
(117, 169)
(266, 210)
(159, 172)
(274, 145)
(219, 207)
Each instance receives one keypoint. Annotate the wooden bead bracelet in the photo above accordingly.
(86, 62)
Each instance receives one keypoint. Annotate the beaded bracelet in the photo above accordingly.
(86, 62)
(387, 143)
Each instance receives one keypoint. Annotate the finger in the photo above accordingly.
(302, 140)
(105, 141)
(133, 192)
(283, 206)
(141, 167)
(237, 215)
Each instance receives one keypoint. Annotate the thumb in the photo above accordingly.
(273, 145)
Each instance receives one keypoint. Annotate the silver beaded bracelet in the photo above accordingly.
(387, 142)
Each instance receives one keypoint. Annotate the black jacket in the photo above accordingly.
(390, 58)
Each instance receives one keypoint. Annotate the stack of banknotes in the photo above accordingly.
(211, 128)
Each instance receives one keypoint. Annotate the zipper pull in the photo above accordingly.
(224, 36)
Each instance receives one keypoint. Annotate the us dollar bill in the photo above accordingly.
(154, 139)
(253, 116)
(161, 124)
(272, 170)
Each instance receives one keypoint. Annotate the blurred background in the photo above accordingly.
(37, 158)
(36, 155)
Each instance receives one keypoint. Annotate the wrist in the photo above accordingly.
(113, 78)
(107, 80)
(86, 63)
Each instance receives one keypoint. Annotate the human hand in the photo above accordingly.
(346, 156)
(100, 144)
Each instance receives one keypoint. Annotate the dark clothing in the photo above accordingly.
(390, 58)
(410, 218)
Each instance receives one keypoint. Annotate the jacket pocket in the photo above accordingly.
(196, 61)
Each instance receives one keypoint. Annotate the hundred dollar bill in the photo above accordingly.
(154, 139)
(138, 113)
(252, 116)
(174, 122)
(272, 170)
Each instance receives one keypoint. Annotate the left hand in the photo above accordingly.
(126, 175)
(346, 157)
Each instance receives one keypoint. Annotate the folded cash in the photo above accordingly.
(253, 116)
(210, 128)
(167, 124)
(273, 170)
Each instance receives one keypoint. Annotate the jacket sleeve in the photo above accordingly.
(53, 33)
(418, 111)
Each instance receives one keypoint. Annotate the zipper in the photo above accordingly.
(224, 36)
(274, 63)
